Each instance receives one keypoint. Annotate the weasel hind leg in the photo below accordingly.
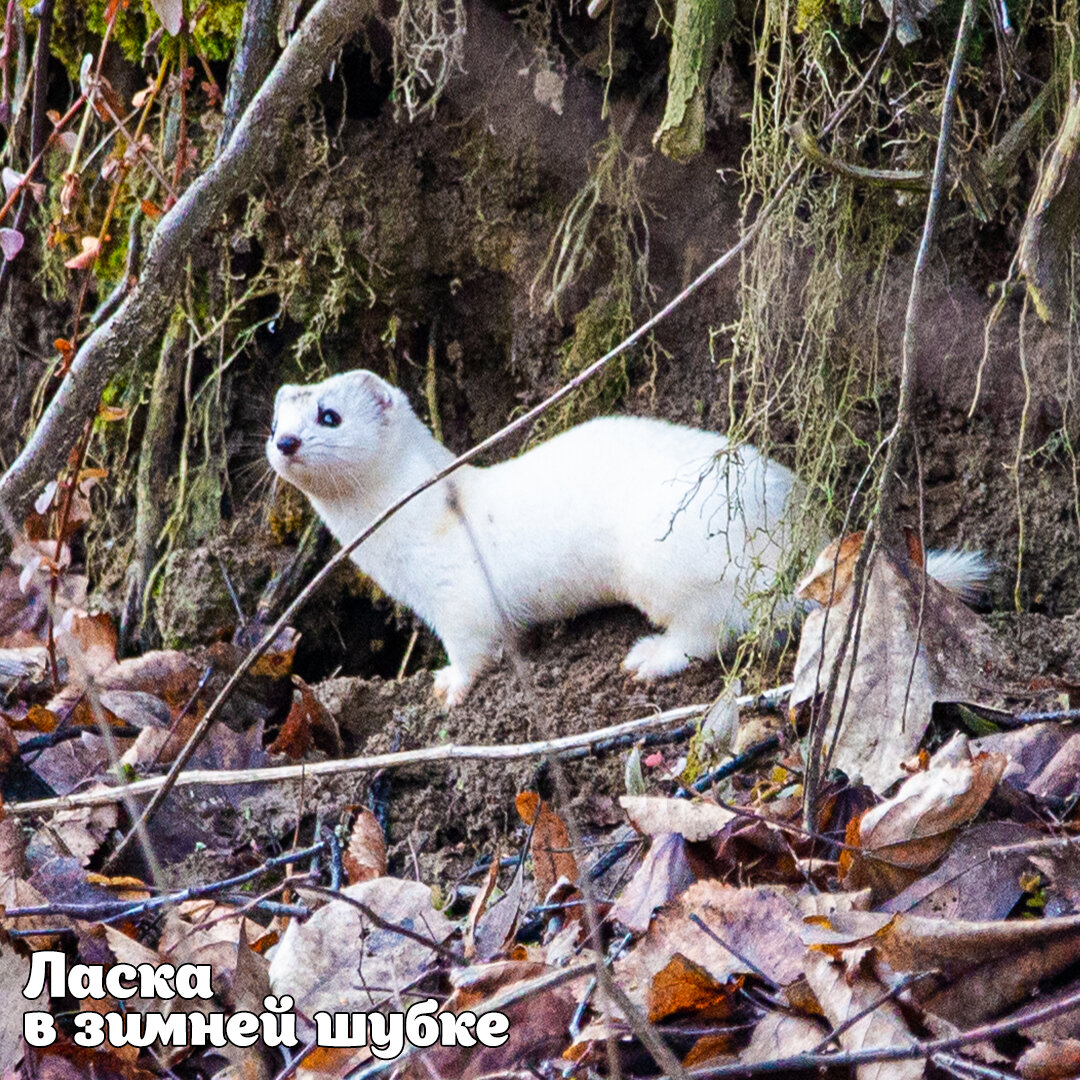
(657, 655)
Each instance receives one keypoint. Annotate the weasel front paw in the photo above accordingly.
(655, 656)
(452, 685)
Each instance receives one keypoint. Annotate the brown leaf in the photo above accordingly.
(1060, 778)
(83, 829)
(694, 820)
(913, 830)
(365, 857)
(12, 847)
(479, 905)
(308, 724)
(762, 925)
(538, 1025)
(991, 965)
(553, 860)
(781, 1034)
(1055, 1060)
(973, 883)
(319, 962)
(682, 986)
(842, 995)
(9, 745)
(895, 684)
(664, 873)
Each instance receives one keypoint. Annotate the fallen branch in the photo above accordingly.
(396, 760)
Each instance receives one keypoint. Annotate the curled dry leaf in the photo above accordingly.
(309, 724)
(91, 245)
(915, 828)
(694, 820)
(911, 654)
(1055, 1060)
(988, 966)
(553, 861)
(366, 855)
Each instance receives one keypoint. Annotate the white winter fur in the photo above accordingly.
(617, 510)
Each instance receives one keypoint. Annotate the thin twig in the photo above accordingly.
(885, 527)
(894, 1053)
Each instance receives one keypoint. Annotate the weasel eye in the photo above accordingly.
(329, 418)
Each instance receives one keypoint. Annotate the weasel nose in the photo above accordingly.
(288, 444)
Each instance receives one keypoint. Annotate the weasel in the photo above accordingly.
(674, 520)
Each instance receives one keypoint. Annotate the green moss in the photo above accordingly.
(79, 27)
(598, 328)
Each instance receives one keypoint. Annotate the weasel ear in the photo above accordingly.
(382, 393)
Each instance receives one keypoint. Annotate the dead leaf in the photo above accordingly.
(779, 1035)
(11, 243)
(990, 965)
(694, 820)
(1059, 780)
(911, 831)
(843, 994)
(664, 873)
(329, 960)
(553, 861)
(365, 857)
(973, 883)
(762, 925)
(91, 246)
(308, 724)
(171, 14)
(14, 974)
(538, 1024)
(684, 987)
(1058, 1060)
(83, 829)
(479, 905)
(890, 698)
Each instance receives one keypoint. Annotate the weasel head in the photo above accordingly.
(327, 438)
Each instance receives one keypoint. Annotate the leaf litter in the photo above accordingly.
(938, 890)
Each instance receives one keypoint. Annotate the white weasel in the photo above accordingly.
(671, 519)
